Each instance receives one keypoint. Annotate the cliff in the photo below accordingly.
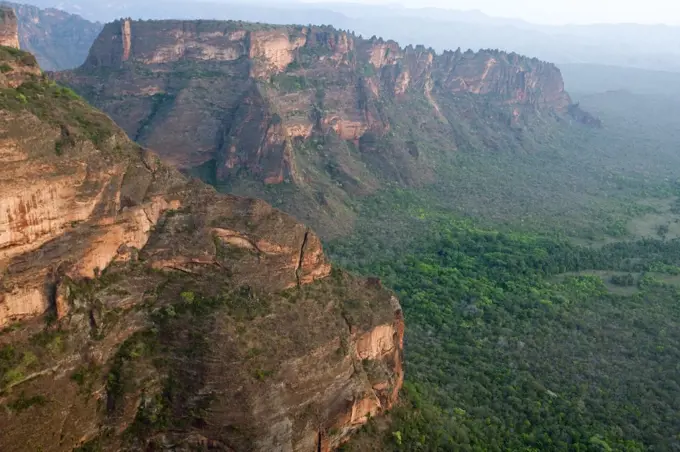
(143, 311)
(58, 40)
(328, 112)
(9, 33)
(271, 50)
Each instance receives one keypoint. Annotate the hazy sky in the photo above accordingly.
(562, 11)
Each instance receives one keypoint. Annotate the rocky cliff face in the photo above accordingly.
(272, 49)
(9, 34)
(329, 112)
(142, 311)
(58, 40)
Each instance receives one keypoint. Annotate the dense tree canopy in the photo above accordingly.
(503, 353)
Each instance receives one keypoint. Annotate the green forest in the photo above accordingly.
(518, 342)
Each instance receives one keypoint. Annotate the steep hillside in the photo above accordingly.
(59, 40)
(313, 115)
(143, 311)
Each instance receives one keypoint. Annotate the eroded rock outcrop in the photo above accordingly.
(143, 311)
(503, 75)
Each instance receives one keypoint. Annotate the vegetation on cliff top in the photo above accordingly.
(12, 55)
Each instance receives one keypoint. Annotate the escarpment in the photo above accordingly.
(140, 310)
(322, 113)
